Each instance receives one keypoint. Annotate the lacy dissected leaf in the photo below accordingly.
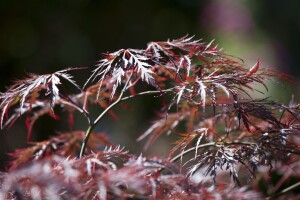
(159, 127)
(178, 54)
(39, 108)
(187, 139)
(172, 50)
(65, 144)
(28, 90)
(196, 123)
(259, 108)
(221, 158)
(116, 65)
(92, 91)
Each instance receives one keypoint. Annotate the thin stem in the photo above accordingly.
(192, 149)
(86, 138)
(285, 190)
(239, 143)
(77, 107)
(120, 99)
(114, 103)
(147, 92)
(207, 145)
(93, 124)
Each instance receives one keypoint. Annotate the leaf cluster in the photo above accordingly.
(224, 135)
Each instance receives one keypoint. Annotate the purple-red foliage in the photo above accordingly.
(229, 142)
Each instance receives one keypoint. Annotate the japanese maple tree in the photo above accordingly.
(226, 137)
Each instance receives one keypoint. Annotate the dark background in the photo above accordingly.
(46, 36)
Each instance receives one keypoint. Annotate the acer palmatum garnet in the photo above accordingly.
(226, 136)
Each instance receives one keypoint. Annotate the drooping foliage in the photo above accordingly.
(226, 136)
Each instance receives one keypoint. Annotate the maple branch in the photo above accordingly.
(192, 149)
(207, 145)
(93, 124)
(120, 98)
(148, 92)
(115, 103)
(71, 103)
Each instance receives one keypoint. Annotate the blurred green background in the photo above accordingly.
(45, 36)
